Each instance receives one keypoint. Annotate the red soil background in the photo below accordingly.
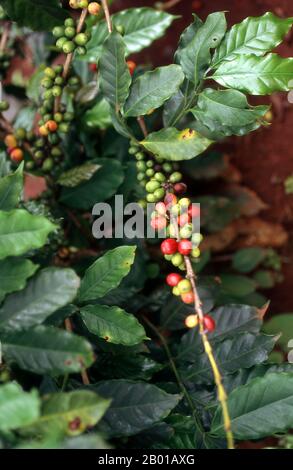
(264, 158)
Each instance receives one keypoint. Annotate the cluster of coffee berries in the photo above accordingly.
(69, 39)
(14, 143)
(209, 323)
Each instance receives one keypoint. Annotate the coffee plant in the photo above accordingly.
(132, 343)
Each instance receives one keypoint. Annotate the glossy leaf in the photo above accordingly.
(247, 259)
(102, 185)
(50, 290)
(78, 175)
(106, 273)
(17, 408)
(228, 108)
(241, 351)
(21, 231)
(261, 408)
(47, 350)
(115, 78)
(254, 35)
(152, 89)
(256, 75)
(135, 406)
(113, 324)
(175, 145)
(283, 324)
(11, 189)
(70, 413)
(141, 26)
(39, 15)
(98, 117)
(14, 273)
(195, 57)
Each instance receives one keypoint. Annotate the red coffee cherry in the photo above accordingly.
(169, 246)
(173, 279)
(187, 298)
(131, 66)
(180, 188)
(194, 211)
(158, 223)
(93, 67)
(51, 125)
(209, 323)
(185, 247)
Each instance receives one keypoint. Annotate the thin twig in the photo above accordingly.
(167, 5)
(107, 15)
(142, 125)
(5, 36)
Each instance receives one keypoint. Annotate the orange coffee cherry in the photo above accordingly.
(131, 66)
(51, 125)
(10, 141)
(16, 155)
(94, 8)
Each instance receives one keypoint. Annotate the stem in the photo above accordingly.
(142, 125)
(169, 4)
(107, 15)
(5, 36)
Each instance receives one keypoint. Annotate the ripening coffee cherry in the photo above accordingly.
(16, 155)
(10, 141)
(161, 208)
(68, 47)
(180, 188)
(191, 321)
(58, 31)
(158, 223)
(131, 66)
(52, 126)
(50, 73)
(60, 43)
(81, 39)
(195, 253)
(185, 247)
(170, 200)
(209, 323)
(177, 259)
(188, 298)
(183, 219)
(173, 279)
(20, 133)
(186, 231)
(169, 246)
(184, 202)
(175, 177)
(151, 186)
(175, 291)
(184, 286)
(94, 8)
(43, 131)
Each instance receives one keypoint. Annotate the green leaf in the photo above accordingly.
(17, 408)
(236, 285)
(261, 408)
(20, 232)
(11, 189)
(256, 75)
(152, 89)
(227, 108)
(175, 145)
(281, 324)
(106, 273)
(39, 15)
(255, 35)
(49, 290)
(70, 413)
(78, 175)
(141, 26)
(247, 259)
(135, 406)
(195, 57)
(230, 320)
(115, 78)
(184, 434)
(113, 324)
(14, 273)
(242, 351)
(47, 350)
(102, 185)
(99, 116)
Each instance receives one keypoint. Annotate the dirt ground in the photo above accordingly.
(265, 158)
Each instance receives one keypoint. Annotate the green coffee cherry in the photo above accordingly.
(70, 32)
(141, 166)
(175, 177)
(73, 81)
(168, 257)
(56, 152)
(53, 139)
(132, 150)
(69, 22)
(39, 154)
(64, 127)
(150, 198)
(81, 50)
(30, 136)
(48, 94)
(4, 105)
(48, 164)
(68, 47)
(150, 172)
(68, 116)
(39, 143)
(139, 155)
(160, 177)
(186, 231)
(167, 167)
(49, 72)
(150, 164)
(47, 83)
(81, 39)
(47, 117)
(58, 31)
(58, 117)
(152, 185)
(140, 176)
(60, 43)
(182, 267)
(177, 259)
(58, 69)
(59, 81)
(56, 91)
(142, 203)
(29, 165)
(159, 194)
(143, 183)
